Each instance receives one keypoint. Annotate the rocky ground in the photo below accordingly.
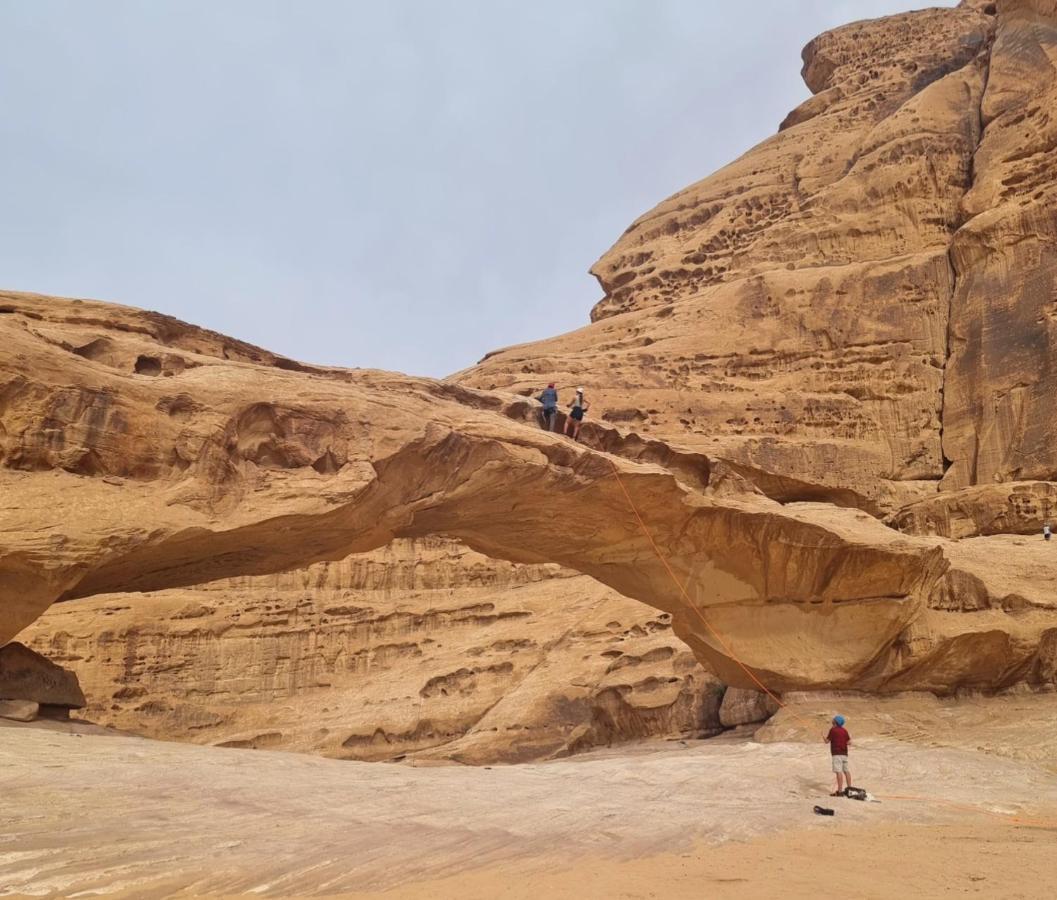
(88, 811)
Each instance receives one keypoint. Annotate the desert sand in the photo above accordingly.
(85, 810)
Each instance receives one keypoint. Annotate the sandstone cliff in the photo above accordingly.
(422, 647)
(119, 477)
(863, 302)
(850, 322)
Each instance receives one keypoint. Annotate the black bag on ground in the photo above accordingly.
(854, 793)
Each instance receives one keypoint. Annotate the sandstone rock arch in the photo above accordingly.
(214, 472)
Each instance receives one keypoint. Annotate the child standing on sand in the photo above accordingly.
(838, 739)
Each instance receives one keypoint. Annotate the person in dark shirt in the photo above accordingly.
(549, 399)
(838, 739)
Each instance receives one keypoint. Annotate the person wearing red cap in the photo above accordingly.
(549, 399)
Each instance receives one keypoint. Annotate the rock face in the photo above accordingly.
(744, 707)
(1010, 508)
(852, 321)
(422, 648)
(791, 311)
(999, 401)
(865, 301)
(26, 675)
(232, 466)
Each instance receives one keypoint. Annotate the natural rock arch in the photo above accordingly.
(808, 597)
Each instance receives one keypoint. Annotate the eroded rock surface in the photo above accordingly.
(19, 710)
(999, 403)
(26, 675)
(863, 302)
(745, 707)
(216, 471)
(851, 321)
(1009, 508)
(791, 311)
(422, 648)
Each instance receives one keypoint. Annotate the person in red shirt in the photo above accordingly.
(838, 739)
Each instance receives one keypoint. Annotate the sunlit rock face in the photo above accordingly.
(420, 648)
(848, 326)
(864, 301)
(227, 481)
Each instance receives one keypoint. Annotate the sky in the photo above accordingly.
(399, 184)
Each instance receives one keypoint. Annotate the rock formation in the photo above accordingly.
(745, 707)
(998, 409)
(422, 647)
(31, 684)
(850, 323)
(863, 302)
(235, 466)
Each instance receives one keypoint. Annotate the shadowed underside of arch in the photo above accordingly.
(227, 460)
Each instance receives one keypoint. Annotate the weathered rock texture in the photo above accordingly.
(999, 408)
(19, 710)
(117, 479)
(852, 320)
(864, 302)
(26, 675)
(744, 707)
(1011, 508)
(420, 648)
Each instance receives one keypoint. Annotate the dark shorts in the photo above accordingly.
(577, 413)
(549, 412)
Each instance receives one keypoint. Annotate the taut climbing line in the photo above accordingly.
(686, 597)
(1005, 817)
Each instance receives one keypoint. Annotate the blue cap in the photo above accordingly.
(838, 720)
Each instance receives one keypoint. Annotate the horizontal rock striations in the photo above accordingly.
(422, 648)
(850, 325)
(234, 467)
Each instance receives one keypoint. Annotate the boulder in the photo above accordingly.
(19, 710)
(26, 675)
(742, 706)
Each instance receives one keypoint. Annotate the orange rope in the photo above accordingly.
(686, 597)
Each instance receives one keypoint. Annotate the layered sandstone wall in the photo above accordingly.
(849, 322)
(791, 311)
(799, 595)
(422, 648)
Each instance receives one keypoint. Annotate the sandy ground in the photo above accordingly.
(983, 860)
(100, 813)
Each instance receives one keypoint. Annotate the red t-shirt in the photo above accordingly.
(838, 738)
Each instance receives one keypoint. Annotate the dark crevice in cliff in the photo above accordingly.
(952, 264)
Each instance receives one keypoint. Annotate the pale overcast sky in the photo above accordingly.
(405, 184)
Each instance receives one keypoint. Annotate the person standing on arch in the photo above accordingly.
(577, 407)
(549, 399)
